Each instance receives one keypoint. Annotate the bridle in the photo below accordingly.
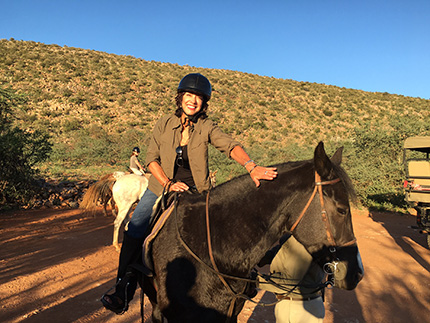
(333, 266)
(330, 268)
(318, 187)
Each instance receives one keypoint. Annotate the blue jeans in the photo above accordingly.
(141, 216)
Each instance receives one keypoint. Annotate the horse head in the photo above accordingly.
(332, 242)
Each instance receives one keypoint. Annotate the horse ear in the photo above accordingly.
(322, 163)
(337, 157)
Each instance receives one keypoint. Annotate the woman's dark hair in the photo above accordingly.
(203, 111)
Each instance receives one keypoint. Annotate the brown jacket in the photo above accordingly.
(166, 137)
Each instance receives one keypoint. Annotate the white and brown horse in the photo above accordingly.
(122, 190)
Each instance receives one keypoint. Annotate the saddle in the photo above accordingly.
(163, 207)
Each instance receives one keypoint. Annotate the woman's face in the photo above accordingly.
(191, 103)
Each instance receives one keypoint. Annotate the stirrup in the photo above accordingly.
(111, 306)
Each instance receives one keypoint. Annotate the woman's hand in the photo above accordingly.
(257, 172)
(266, 173)
(178, 187)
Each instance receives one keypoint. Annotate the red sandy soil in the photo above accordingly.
(56, 264)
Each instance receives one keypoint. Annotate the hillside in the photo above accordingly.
(97, 106)
(70, 88)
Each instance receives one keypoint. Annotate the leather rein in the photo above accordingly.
(222, 276)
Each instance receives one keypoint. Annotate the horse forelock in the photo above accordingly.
(347, 182)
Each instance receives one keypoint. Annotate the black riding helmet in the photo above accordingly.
(196, 83)
(136, 149)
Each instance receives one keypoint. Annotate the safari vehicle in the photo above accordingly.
(417, 184)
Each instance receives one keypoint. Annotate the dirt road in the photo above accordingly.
(55, 265)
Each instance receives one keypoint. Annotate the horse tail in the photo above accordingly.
(99, 191)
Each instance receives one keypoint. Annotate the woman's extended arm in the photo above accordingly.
(257, 172)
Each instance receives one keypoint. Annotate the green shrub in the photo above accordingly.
(376, 161)
(20, 151)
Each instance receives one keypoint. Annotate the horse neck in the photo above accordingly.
(264, 214)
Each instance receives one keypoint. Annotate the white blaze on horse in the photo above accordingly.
(123, 190)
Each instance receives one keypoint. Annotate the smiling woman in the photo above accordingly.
(177, 157)
(191, 103)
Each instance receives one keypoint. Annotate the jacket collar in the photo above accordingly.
(196, 125)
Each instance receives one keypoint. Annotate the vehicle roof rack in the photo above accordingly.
(419, 143)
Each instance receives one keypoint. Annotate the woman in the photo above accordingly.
(177, 157)
(135, 165)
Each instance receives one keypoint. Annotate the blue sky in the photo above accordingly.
(375, 45)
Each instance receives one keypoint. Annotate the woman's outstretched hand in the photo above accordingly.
(266, 173)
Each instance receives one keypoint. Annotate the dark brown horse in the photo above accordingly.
(244, 222)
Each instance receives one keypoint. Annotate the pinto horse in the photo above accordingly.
(122, 190)
(126, 191)
(204, 255)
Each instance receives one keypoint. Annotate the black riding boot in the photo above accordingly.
(131, 253)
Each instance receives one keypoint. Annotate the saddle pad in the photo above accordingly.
(147, 244)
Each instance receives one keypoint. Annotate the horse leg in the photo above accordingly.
(113, 207)
(122, 213)
(147, 285)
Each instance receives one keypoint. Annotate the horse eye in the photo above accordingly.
(342, 211)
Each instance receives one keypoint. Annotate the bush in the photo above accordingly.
(376, 161)
(20, 151)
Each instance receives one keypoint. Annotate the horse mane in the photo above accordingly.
(347, 182)
(239, 183)
(282, 167)
(289, 166)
